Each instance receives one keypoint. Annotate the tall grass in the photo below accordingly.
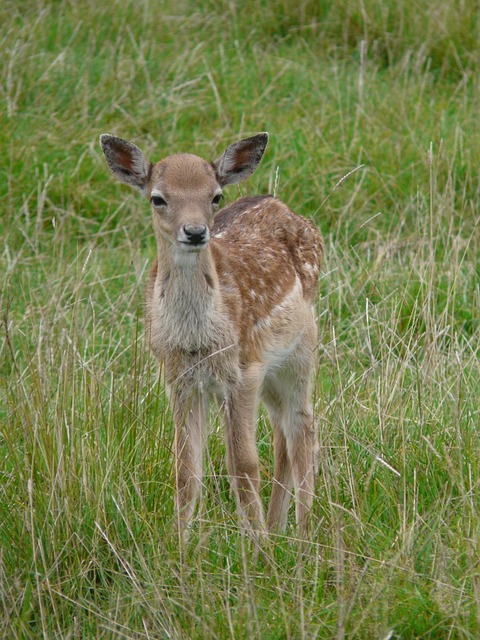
(385, 92)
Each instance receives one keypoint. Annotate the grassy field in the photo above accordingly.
(384, 91)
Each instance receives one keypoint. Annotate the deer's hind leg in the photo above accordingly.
(282, 477)
(288, 398)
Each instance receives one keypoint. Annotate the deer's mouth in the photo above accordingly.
(193, 246)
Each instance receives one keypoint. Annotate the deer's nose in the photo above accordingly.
(195, 234)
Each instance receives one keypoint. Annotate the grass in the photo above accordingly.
(387, 91)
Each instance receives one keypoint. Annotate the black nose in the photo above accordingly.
(195, 234)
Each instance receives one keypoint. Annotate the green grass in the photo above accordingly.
(386, 90)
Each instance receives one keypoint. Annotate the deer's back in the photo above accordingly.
(267, 246)
(269, 258)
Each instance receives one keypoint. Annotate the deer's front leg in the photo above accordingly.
(242, 454)
(189, 412)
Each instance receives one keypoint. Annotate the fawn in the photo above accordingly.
(230, 314)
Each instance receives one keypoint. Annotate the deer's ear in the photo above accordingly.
(126, 161)
(240, 159)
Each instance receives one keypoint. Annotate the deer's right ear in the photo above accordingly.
(126, 161)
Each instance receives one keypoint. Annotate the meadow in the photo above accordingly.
(372, 109)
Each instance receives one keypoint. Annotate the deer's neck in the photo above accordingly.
(187, 304)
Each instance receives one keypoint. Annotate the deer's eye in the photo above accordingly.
(218, 198)
(158, 201)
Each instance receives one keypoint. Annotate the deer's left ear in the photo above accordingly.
(240, 159)
(126, 161)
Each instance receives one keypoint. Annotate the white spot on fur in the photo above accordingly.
(311, 268)
(288, 301)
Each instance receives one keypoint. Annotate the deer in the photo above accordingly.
(230, 315)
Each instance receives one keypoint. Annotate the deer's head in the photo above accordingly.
(183, 189)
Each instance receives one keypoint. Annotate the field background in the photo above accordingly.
(387, 91)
